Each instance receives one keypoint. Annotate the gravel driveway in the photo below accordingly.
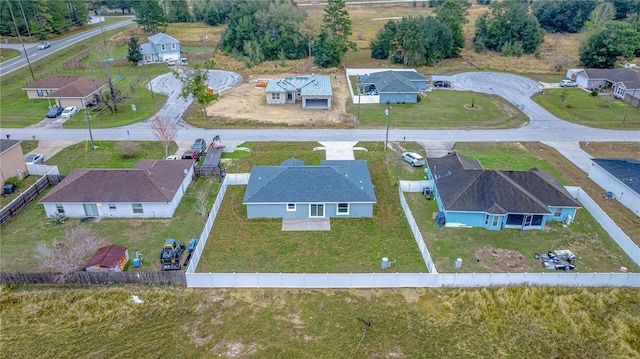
(175, 106)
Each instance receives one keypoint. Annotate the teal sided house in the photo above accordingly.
(393, 86)
(335, 189)
(470, 196)
(160, 47)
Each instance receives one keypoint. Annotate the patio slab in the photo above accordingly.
(306, 224)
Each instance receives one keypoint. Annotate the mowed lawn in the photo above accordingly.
(443, 109)
(578, 106)
(511, 250)
(238, 244)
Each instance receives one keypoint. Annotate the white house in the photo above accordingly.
(620, 178)
(153, 188)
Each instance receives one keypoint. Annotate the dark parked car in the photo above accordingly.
(190, 155)
(442, 84)
(54, 112)
(199, 145)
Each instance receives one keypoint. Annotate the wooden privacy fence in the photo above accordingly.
(27, 196)
(155, 277)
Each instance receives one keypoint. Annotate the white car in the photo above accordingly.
(413, 158)
(169, 62)
(69, 112)
(568, 83)
(34, 159)
(44, 45)
(171, 158)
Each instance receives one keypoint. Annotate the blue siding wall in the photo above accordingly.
(278, 210)
(398, 98)
(422, 85)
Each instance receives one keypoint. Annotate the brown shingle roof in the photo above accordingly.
(148, 181)
(107, 256)
(67, 86)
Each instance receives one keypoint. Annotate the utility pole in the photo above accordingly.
(87, 119)
(387, 112)
(21, 42)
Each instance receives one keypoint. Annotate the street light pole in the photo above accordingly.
(386, 139)
(87, 118)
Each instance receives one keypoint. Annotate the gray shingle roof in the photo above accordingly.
(162, 38)
(332, 181)
(464, 186)
(629, 78)
(394, 81)
(148, 181)
(626, 170)
(7, 144)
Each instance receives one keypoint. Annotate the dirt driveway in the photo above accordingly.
(248, 102)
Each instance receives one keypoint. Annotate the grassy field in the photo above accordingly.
(8, 54)
(510, 322)
(238, 244)
(444, 109)
(580, 107)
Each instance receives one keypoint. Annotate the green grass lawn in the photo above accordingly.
(147, 103)
(509, 322)
(16, 109)
(8, 54)
(580, 107)
(585, 237)
(443, 109)
(238, 244)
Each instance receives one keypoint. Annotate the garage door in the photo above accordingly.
(317, 103)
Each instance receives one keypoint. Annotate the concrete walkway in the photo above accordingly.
(339, 150)
(573, 152)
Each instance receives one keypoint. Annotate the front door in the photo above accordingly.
(91, 210)
(527, 221)
(316, 210)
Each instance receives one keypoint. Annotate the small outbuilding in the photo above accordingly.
(110, 258)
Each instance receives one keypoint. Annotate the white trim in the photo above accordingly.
(291, 209)
(338, 213)
(318, 205)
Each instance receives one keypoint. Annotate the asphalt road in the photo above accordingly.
(35, 54)
(516, 89)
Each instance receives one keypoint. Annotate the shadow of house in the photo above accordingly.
(470, 196)
(335, 189)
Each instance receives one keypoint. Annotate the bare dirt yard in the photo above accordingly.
(247, 102)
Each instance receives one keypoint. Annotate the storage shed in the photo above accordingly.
(110, 258)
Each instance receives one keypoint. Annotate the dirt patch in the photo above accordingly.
(474, 108)
(502, 260)
(248, 102)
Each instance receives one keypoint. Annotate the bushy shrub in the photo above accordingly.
(14, 181)
(595, 92)
(569, 105)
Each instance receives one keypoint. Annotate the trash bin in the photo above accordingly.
(9, 189)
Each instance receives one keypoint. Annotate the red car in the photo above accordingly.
(191, 155)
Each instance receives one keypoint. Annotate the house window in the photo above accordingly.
(60, 208)
(173, 46)
(112, 206)
(137, 208)
(275, 96)
(486, 220)
(291, 207)
(557, 212)
(163, 47)
(49, 92)
(316, 210)
(39, 92)
(495, 221)
(343, 208)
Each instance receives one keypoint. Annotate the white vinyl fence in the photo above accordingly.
(407, 280)
(41, 170)
(623, 240)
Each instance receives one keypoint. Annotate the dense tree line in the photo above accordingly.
(415, 41)
(509, 29)
(260, 31)
(616, 41)
(41, 18)
(563, 16)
